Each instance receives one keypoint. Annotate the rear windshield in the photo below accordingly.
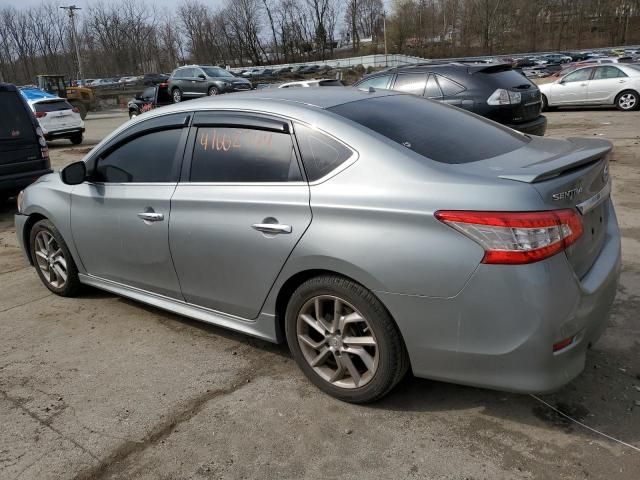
(15, 120)
(505, 79)
(53, 106)
(434, 130)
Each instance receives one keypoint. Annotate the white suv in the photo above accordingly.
(58, 119)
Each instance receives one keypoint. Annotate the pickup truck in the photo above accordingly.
(151, 97)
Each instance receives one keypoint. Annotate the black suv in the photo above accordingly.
(200, 80)
(495, 91)
(23, 150)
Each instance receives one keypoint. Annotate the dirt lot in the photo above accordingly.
(102, 387)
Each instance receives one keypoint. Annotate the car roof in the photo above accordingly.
(272, 99)
(35, 95)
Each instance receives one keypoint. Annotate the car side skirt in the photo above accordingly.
(263, 327)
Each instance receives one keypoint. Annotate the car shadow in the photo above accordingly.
(595, 398)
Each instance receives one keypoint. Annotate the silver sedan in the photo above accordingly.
(374, 232)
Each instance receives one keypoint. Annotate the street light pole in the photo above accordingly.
(71, 9)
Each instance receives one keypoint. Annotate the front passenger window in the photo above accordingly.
(578, 76)
(145, 159)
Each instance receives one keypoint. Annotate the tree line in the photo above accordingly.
(128, 37)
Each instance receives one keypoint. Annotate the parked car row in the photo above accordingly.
(119, 82)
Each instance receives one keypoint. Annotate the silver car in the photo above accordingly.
(616, 84)
(375, 232)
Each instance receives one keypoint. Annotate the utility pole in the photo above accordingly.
(384, 31)
(71, 9)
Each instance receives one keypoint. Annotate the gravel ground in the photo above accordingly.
(99, 387)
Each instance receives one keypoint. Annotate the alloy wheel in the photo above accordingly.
(337, 341)
(627, 101)
(50, 259)
(177, 96)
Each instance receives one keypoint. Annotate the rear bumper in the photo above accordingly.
(499, 331)
(66, 133)
(15, 183)
(534, 127)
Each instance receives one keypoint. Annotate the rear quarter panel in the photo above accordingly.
(374, 223)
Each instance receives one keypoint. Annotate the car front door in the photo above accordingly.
(607, 81)
(199, 81)
(572, 89)
(120, 216)
(239, 210)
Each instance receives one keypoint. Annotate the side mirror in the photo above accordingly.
(201, 76)
(138, 96)
(74, 174)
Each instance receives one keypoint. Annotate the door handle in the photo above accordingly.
(622, 81)
(272, 228)
(583, 84)
(151, 216)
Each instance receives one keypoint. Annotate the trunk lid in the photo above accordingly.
(572, 173)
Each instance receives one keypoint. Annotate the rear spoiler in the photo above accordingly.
(589, 151)
(489, 68)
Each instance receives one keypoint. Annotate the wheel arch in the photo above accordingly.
(289, 286)
(26, 232)
(626, 90)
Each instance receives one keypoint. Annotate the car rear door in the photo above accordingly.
(120, 216)
(607, 81)
(239, 210)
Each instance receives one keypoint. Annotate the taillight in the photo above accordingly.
(504, 97)
(41, 114)
(75, 110)
(517, 237)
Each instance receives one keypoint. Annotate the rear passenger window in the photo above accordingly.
(320, 153)
(603, 73)
(223, 154)
(432, 90)
(411, 83)
(381, 81)
(449, 87)
(148, 158)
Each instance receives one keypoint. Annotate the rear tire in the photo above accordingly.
(355, 331)
(176, 94)
(628, 101)
(77, 139)
(52, 259)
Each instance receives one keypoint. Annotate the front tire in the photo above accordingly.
(52, 259)
(213, 91)
(628, 101)
(176, 94)
(344, 340)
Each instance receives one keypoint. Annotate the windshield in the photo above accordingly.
(216, 72)
(434, 130)
(15, 121)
